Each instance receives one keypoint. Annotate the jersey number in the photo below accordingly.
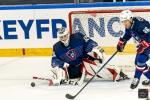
(146, 30)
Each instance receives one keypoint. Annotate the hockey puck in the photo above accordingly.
(32, 84)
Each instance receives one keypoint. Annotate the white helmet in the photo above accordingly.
(64, 36)
(126, 15)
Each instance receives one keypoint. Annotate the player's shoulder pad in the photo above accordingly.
(143, 25)
(140, 21)
(80, 36)
(57, 45)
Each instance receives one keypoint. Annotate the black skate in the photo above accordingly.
(134, 83)
(122, 77)
(146, 82)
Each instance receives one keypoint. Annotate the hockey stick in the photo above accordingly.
(63, 81)
(39, 78)
(95, 72)
(72, 97)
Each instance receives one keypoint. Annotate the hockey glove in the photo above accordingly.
(99, 54)
(121, 44)
(142, 46)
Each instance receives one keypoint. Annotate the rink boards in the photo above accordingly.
(31, 30)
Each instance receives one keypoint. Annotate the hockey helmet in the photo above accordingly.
(63, 35)
(126, 15)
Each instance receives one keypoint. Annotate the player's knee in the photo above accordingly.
(146, 70)
(74, 72)
(141, 60)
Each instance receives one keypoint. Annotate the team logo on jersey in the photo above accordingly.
(72, 54)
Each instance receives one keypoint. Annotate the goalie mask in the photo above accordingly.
(64, 36)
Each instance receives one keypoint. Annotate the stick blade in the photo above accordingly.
(70, 96)
(34, 77)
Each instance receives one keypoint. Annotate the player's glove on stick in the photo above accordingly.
(142, 46)
(121, 44)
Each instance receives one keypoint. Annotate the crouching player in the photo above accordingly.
(75, 56)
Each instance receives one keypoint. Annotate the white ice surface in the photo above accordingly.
(16, 76)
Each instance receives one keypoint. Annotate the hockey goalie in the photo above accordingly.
(76, 56)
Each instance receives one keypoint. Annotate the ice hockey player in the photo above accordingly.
(74, 57)
(139, 29)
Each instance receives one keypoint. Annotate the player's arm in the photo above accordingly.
(58, 69)
(89, 44)
(144, 28)
(92, 49)
(145, 40)
(123, 40)
(57, 62)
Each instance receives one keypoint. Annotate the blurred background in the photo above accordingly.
(18, 2)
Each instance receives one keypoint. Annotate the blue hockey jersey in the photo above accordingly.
(74, 53)
(139, 30)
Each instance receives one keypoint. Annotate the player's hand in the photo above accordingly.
(142, 46)
(140, 49)
(121, 45)
(99, 54)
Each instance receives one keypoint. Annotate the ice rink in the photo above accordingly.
(16, 75)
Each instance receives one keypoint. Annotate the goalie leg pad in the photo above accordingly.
(57, 74)
(110, 72)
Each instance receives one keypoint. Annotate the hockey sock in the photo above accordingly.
(146, 72)
(138, 72)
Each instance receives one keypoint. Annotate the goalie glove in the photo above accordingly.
(99, 53)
